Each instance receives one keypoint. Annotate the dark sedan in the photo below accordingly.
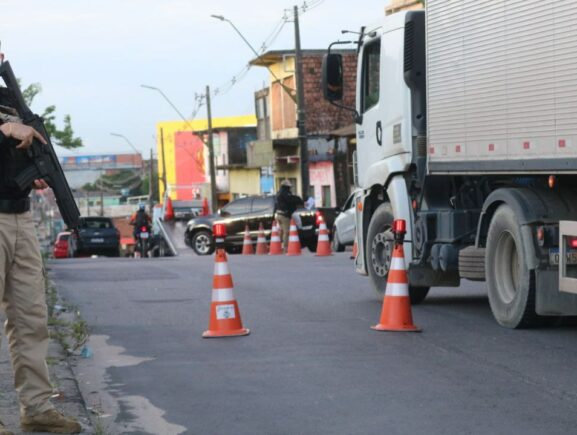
(97, 235)
(251, 211)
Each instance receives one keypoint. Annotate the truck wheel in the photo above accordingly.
(202, 243)
(511, 285)
(379, 251)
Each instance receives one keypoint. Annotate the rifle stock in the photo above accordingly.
(44, 163)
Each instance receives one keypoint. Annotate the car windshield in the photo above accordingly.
(239, 206)
(63, 237)
(97, 224)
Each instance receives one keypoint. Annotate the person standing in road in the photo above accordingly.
(22, 290)
(286, 204)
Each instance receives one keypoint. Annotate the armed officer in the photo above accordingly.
(22, 294)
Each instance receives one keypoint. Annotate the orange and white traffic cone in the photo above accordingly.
(247, 248)
(168, 210)
(275, 247)
(323, 242)
(355, 250)
(225, 318)
(396, 313)
(261, 248)
(294, 243)
(205, 209)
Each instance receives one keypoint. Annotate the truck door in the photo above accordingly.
(382, 96)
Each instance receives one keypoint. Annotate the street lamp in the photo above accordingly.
(137, 152)
(133, 147)
(154, 88)
(298, 99)
(288, 90)
(209, 143)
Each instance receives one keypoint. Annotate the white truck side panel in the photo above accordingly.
(502, 83)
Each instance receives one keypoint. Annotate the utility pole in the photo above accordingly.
(163, 161)
(301, 111)
(101, 202)
(213, 198)
(150, 175)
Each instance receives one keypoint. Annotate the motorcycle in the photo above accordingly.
(142, 242)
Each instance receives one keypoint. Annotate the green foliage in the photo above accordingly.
(89, 187)
(62, 137)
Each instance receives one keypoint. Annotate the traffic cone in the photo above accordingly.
(275, 247)
(168, 210)
(205, 210)
(224, 313)
(247, 248)
(261, 248)
(396, 313)
(355, 250)
(294, 243)
(323, 242)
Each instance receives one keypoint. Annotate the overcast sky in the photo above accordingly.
(92, 56)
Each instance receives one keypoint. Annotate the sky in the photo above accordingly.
(91, 57)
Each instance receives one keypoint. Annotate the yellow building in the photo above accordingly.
(185, 155)
(403, 5)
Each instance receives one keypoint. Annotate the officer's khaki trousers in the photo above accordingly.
(23, 299)
(284, 223)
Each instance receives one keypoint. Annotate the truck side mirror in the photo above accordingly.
(332, 77)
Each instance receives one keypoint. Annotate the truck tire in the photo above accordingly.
(510, 284)
(202, 242)
(472, 263)
(379, 249)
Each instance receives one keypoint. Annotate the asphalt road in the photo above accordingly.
(311, 364)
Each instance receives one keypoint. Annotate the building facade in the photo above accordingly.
(403, 5)
(183, 156)
(276, 152)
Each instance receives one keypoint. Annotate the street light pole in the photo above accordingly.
(135, 150)
(213, 197)
(301, 112)
(288, 90)
(209, 143)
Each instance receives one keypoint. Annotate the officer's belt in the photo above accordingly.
(14, 206)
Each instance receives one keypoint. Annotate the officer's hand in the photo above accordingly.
(40, 184)
(21, 132)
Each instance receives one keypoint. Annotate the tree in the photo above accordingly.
(64, 137)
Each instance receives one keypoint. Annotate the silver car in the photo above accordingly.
(344, 227)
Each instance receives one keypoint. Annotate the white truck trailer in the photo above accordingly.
(467, 128)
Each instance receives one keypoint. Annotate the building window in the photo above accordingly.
(326, 196)
(311, 192)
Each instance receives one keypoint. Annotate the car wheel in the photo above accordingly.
(337, 247)
(202, 242)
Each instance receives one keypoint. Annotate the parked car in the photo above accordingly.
(251, 211)
(62, 247)
(97, 235)
(344, 227)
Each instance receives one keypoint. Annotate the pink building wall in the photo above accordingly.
(322, 174)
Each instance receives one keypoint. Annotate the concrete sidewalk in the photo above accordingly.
(66, 398)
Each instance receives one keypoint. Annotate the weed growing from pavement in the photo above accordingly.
(99, 428)
(70, 332)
